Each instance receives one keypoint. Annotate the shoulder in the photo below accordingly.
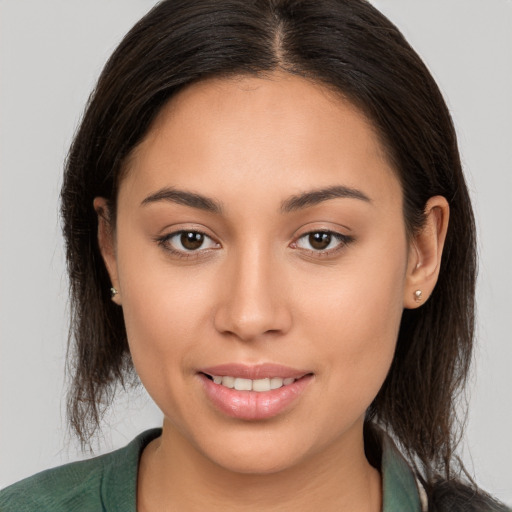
(456, 496)
(405, 489)
(68, 487)
(80, 486)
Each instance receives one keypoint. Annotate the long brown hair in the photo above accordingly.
(346, 45)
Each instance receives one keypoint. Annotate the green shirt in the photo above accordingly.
(109, 483)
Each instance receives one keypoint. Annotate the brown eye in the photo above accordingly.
(320, 241)
(187, 242)
(323, 242)
(191, 240)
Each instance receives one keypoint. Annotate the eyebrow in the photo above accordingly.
(314, 197)
(294, 203)
(185, 198)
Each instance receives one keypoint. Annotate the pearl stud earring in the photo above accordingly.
(417, 295)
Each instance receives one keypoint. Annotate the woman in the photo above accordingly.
(265, 215)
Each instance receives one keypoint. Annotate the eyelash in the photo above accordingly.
(164, 242)
(343, 241)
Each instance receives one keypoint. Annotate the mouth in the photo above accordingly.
(257, 385)
(254, 392)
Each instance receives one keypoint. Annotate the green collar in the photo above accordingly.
(400, 491)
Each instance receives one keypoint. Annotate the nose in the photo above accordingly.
(254, 300)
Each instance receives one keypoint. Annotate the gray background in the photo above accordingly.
(51, 54)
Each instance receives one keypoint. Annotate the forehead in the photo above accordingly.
(238, 131)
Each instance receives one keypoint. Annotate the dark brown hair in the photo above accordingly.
(350, 47)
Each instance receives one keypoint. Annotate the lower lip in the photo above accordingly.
(254, 405)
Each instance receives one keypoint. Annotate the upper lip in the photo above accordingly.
(253, 372)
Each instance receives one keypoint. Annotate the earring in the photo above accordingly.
(417, 295)
(113, 292)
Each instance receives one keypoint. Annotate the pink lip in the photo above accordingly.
(253, 405)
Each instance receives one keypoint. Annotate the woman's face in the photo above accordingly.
(259, 238)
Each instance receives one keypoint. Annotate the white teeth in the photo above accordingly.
(229, 382)
(276, 382)
(243, 384)
(259, 385)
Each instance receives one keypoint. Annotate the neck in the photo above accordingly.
(174, 475)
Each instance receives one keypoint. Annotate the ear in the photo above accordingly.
(425, 251)
(106, 242)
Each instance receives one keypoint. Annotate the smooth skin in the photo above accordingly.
(257, 287)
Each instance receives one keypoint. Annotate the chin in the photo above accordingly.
(264, 452)
(255, 462)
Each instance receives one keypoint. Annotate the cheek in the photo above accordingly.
(355, 317)
(164, 310)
